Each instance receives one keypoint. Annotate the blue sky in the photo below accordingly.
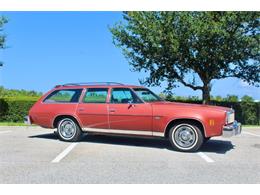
(49, 48)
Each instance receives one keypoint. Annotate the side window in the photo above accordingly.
(64, 96)
(96, 95)
(123, 96)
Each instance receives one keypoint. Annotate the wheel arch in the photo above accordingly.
(62, 116)
(180, 120)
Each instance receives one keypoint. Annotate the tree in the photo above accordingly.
(3, 21)
(247, 98)
(218, 98)
(232, 98)
(191, 48)
(249, 110)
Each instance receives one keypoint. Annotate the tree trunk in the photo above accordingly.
(206, 93)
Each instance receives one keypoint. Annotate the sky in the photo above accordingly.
(50, 48)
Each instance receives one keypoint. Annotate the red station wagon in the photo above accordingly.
(114, 108)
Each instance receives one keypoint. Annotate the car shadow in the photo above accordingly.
(212, 146)
(45, 136)
(217, 146)
(128, 141)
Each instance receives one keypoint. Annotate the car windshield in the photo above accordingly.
(147, 95)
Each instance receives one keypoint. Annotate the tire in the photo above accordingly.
(69, 130)
(186, 137)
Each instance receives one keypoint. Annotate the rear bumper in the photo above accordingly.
(27, 120)
(232, 129)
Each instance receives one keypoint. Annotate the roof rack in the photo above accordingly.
(91, 83)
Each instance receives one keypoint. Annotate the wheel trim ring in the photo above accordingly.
(184, 136)
(61, 131)
(176, 144)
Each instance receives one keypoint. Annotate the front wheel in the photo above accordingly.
(186, 137)
(68, 130)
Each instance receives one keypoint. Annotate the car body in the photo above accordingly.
(114, 108)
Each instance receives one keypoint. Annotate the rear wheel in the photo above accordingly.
(69, 130)
(186, 137)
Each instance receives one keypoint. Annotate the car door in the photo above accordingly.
(128, 112)
(93, 109)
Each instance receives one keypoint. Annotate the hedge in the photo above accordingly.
(14, 109)
(248, 113)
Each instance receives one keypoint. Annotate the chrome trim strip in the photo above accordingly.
(158, 134)
(129, 132)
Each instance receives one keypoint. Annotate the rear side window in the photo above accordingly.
(96, 95)
(64, 96)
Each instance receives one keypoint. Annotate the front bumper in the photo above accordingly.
(27, 120)
(232, 129)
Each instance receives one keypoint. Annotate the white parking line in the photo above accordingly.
(64, 153)
(1, 132)
(205, 157)
(248, 133)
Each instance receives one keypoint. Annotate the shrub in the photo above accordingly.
(247, 111)
(14, 109)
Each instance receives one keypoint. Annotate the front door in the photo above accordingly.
(128, 112)
(93, 110)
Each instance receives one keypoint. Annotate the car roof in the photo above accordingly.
(96, 85)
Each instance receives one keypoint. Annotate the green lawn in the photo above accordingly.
(12, 124)
(252, 126)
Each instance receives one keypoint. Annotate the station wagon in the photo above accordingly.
(114, 108)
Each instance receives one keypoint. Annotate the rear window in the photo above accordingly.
(96, 95)
(64, 96)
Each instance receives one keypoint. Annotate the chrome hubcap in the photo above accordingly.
(67, 129)
(185, 136)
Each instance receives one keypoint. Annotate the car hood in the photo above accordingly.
(191, 106)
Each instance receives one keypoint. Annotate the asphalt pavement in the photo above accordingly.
(35, 155)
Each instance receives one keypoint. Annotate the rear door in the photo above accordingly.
(93, 109)
(128, 112)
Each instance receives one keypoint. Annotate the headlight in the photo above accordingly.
(230, 116)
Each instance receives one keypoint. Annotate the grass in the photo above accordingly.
(251, 126)
(21, 98)
(12, 124)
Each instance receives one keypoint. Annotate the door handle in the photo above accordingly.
(112, 110)
(81, 109)
(131, 105)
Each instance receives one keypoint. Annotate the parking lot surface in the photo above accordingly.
(35, 155)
